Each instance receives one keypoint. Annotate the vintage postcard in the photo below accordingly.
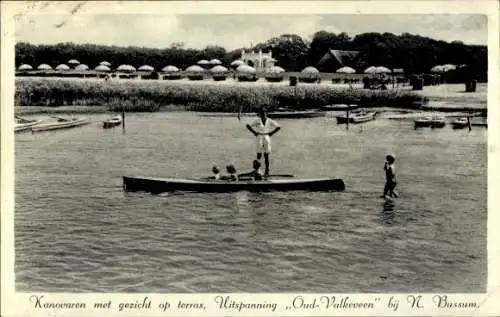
(252, 158)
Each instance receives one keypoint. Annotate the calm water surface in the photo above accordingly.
(77, 231)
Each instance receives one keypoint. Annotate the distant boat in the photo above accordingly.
(62, 123)
(357, 117)
(459, 123)
(112, 122)
(24, 124)
(437, 122)
(339, 107)
(423, 122)
(295, 114)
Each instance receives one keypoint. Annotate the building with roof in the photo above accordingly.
(335, 59)
(262, 62)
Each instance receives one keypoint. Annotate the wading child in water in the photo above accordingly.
(255, 173)
(390, 177)
(231, 170)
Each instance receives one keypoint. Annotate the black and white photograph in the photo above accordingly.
(249, 153)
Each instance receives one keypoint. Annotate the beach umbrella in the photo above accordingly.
(246, 69)
(310, 70)
(448, 67)
(73, 62)
(25, 67)
(82, 67)
(105, 63)
(126, 68)
(103, 68)
(203, 62)
(170, 69)
(215, 61)
(346, 70)
(146, 68)
(62, 67)
(237, 63)
(44, 67)
(382, 70)
(218, 69)
(370, 70)
(195, 69)
(276, 70)
(437, 69)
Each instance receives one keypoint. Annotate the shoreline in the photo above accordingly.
(38, 110)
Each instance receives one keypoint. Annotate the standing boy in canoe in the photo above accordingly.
(263, 128)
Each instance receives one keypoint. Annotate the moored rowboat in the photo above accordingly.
(356, 117)
(438, 122)
(61, 124)
(159, 185)
(459, 123)
(112, 122)
(422, 122)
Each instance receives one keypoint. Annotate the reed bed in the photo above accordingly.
(212, 96)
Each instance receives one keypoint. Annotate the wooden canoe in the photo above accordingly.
(159, 185)
(25, 125)
(61, 124)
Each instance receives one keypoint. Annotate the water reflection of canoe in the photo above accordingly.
(112, 122)
(159, 185)
(62, 123)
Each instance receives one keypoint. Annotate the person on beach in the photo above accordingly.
(263, 128)
(255, 174)
(231, 170)
(390, 176)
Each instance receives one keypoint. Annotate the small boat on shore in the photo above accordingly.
(112, 122)
(25, 124)
(159, 185)
(62, 123)
(459, 123)
(295, 114)
(356, 117)
(422, 122)
(438, 122)
(339, 107)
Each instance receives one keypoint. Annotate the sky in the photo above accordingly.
(231, 31)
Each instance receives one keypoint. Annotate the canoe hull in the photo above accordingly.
(21, 127)
(356, 117)
(159, 185)
(295, 114)
(60, 125)
(113, 122)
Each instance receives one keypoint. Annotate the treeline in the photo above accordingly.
(413, 53)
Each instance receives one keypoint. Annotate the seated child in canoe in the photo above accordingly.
(255, 174)
(216, 171)
(390, 176)
(231, 170)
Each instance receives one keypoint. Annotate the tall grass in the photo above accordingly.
(139, 95)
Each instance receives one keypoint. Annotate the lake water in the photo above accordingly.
(76, 230)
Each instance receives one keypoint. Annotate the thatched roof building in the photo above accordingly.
(335, 59)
